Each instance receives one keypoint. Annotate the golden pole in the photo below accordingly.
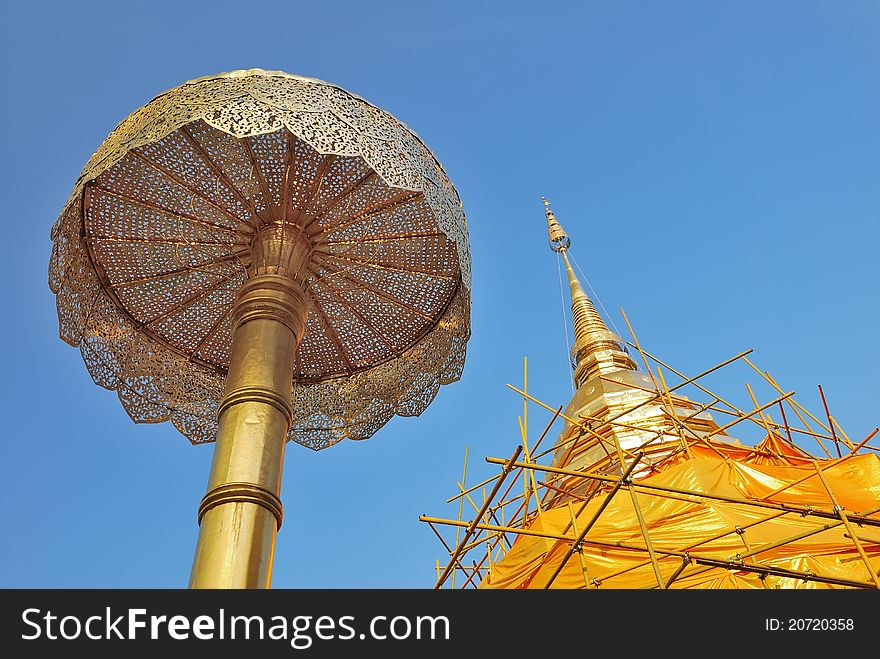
(241, 512)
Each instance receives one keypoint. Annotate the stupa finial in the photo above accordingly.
(596, 350)
(559, 240)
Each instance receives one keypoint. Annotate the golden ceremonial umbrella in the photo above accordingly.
(256, 257)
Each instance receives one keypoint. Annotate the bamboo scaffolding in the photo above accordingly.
(501, 536)
(583, 534)
(787, 427)
(652, 553)
(795, 538)
(440, 537)
(693, 380)
(672, 577)
(468, 497)
(671, 409)
(529, 485)
(472, 526)
(734, 410)
(645, 402)
(562, 490)
(492, 478)
(603, 440)
(723, 428)
(460, 504)
(797, 407)
(846, 439)
(485, 531)
(835, 463)
(495, 542)
(673, 433)
(769, 378)
(739, 565)
(707, 563)
(645, 446)
(480, 541)
(684, 428)
(845, 519)
(870, 541)
(663, 490)
(638, 347)
(830, 422)
(578, 551)
(767, 422)
(705, 541)
(572, 421)
(721, 410)
(756, 551)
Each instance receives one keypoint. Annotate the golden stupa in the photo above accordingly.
(644, 488)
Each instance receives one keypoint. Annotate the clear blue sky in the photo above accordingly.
(716, 165)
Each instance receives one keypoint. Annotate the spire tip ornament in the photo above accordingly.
(559, 240)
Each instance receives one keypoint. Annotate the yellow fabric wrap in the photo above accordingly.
(677, 525)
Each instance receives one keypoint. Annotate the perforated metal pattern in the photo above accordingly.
(153, 246)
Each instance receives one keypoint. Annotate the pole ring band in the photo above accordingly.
(272, 297)
(242, 493)
(257, 395)
(287, 317)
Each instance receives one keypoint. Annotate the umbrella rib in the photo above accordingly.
(377, 291)
(366, 322)
(192, 299)
(399, 200)
(171, 176)
(259, 172)
(162, 209)
(315, 187)
(212, 330)
(214, 166)
(384, 266)
(234, 256)
(334, 336)
(289, 158)
(342, 196)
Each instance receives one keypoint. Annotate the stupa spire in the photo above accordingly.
(596, 350)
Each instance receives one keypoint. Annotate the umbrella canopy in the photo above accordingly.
(156, 241)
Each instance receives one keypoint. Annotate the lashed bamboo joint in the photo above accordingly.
(649, 491)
